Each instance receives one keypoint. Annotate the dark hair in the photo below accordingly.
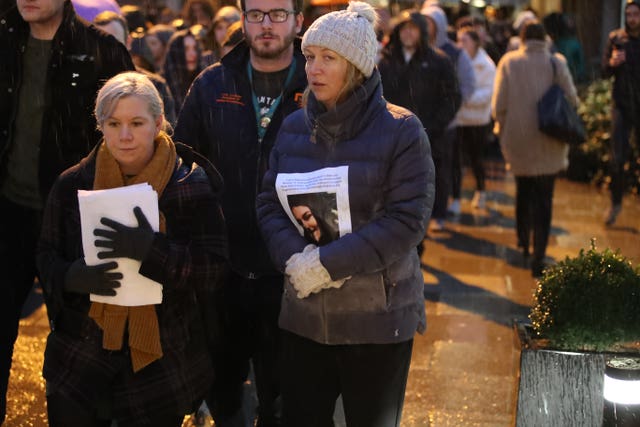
(464, 21)
(297, 5)
(324, 213)
(473, 34)
(136, 20)
(207, 6)
(533, 30)
(176, 74)
(162, 32)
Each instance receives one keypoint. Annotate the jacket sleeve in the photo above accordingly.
(193, 249)
(565, 81)
(190, 128)
(466, 76)
(607, 70)
(50, 253)
(449, 99)
(408, 200)
(484, 85)
(279, 233)
(500, 94)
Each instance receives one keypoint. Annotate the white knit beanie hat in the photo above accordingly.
(349, 33)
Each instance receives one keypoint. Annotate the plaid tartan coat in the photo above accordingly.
(188, 261)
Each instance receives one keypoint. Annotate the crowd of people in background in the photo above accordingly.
(251, 92)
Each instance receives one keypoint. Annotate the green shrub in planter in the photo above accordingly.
(590, 302)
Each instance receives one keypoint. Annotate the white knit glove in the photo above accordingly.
(307, 274)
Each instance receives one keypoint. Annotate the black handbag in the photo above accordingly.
(557, 117)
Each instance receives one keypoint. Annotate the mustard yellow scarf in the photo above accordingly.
(144, 331)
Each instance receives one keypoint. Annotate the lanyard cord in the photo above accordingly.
(262, 121)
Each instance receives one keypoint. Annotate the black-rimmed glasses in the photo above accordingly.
(256, 16)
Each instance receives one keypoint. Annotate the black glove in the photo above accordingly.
(92, 279)
(126, 242)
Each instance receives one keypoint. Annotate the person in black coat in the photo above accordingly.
(419, 77)
(232, 114)
(423, 79)
(622, 61)
(52, 63)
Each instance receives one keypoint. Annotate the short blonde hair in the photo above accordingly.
(126, 84)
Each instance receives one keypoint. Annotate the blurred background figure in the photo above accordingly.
(479, 24)
(198, 15)
(157, 39)
(622, 61)
(443, 146)
(561, 29)
(534, 158)
(182, 64)
(140, 51)
(473, 119)
(212, 41)
(522, 18)
(234, 36)
(137, 20)
(114, 24)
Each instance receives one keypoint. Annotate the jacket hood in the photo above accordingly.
(439, 18)
(415, 17)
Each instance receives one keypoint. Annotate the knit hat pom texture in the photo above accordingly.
(350, 33)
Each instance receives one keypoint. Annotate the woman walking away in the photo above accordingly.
(535, 159)
(350, 307)
(473, 120)
(145, 365)
(182, 64)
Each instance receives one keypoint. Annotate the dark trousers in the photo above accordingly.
(371, 378)
(247, 312)
(534, 201)
(65, 412)
(620, 152)
(469, 147)
(19, 232)
(442, 152)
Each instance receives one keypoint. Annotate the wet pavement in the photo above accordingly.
(464, 369)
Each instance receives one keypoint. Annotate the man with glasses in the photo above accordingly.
(231, 115)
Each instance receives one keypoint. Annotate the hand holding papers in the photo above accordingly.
(118, 205)
(92, 279)
(123, 241)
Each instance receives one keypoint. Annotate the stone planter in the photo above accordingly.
(558, 388)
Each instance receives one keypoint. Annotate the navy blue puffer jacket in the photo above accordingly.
(391, 191)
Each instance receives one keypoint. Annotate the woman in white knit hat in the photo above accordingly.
(351, 306)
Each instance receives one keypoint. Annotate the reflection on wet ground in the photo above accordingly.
(464, 369)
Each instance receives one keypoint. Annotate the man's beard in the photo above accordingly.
(272, 52)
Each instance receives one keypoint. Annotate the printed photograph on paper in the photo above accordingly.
(317, 203)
